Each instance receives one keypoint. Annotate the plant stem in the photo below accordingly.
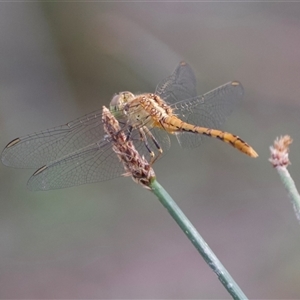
(290, 186)
(196, 239)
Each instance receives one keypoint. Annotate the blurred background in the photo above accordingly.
(113, 239)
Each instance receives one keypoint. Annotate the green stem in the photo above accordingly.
(193, 235)
(290, 186)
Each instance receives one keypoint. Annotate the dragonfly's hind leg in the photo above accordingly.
(145, 141)
(145, 131)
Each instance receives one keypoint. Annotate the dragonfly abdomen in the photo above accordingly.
(175, 125)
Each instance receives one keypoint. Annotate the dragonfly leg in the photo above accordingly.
(145, 141)
(159, 149)
(128, 134)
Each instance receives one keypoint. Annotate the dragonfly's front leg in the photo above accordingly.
(128, 134)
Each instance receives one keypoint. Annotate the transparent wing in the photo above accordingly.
(179, 86)
(38, 149)
(94, 163)
(73, 154)
(209, 110)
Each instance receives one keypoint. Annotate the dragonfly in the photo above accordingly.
(80, 151)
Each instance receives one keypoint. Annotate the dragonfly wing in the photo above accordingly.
(209, 110)
(178, 86)
(94, 163)
(38, 149)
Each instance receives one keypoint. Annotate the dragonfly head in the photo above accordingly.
(118, 103)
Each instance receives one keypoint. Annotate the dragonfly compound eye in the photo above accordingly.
(127, 97)
(115, 102)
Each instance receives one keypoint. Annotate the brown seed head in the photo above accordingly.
(135, 165)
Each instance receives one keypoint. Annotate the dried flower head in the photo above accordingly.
(280, 151)
(135, 165)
